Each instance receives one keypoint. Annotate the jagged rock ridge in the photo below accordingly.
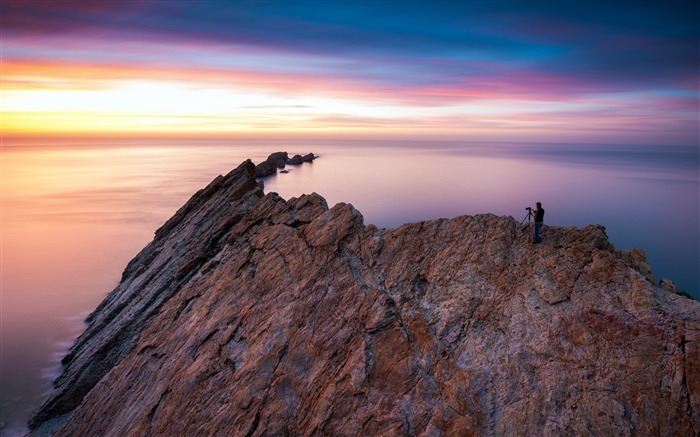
(252, 315)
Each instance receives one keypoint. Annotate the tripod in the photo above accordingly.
(528, 216)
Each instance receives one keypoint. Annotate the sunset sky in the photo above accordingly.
(577, 71)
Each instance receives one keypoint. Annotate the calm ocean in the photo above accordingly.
(74, 214)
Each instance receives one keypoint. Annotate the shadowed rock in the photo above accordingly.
(279, 160)
(252, 315)
(298, 159)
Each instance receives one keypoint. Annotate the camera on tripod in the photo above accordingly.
(530, 214)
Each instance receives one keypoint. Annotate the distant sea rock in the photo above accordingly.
(280, 160)
(251, 315)
(298, 159)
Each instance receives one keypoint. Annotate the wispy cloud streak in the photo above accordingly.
(606, 66)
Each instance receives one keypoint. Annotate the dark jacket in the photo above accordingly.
(539, 215)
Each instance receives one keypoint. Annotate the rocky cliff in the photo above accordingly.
(250, 315)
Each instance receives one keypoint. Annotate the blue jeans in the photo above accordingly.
(537, 232)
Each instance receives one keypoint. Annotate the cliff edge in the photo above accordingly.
(251, 315)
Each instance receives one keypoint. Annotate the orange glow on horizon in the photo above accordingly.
(56, 98)
(49, 98)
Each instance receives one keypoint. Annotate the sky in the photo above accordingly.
(575, 71)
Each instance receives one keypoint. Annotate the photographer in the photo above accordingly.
(539, 221)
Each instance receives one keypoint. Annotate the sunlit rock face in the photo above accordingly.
(251, 315)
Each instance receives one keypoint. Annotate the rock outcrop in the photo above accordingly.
(251, 315)
(280, 160)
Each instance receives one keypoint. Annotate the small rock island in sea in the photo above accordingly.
(251, 315)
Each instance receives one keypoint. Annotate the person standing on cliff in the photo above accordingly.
(539, 221)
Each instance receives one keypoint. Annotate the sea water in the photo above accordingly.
(75, 212)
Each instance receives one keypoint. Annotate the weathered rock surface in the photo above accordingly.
(251, 315)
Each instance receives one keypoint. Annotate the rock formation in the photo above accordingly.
(280, 160)
(250, 315)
